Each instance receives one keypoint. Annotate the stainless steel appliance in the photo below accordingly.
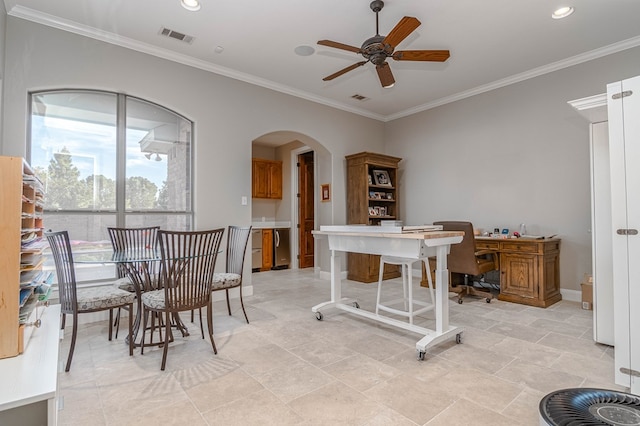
(281, 249)
(256, 249)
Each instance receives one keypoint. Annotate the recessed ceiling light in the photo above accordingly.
(191, 5)
(304, 50)
(218, 49)
(562, 12)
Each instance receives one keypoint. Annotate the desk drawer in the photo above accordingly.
(515, 246)
(488, 245)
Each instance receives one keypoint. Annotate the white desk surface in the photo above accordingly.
(32, 376)
(427, 235)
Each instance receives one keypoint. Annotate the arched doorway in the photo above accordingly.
(306, 164)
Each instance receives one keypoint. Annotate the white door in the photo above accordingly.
(623, 104)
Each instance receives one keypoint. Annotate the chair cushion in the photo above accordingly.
(222, 280)
(154, 299)
(124, 284)
(103, 297)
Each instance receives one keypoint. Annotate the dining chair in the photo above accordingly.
(132, 240)
(237, 240)
(187, 265)
(74, 301)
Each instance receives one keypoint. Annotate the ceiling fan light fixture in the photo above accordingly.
(389, 86)
(158, 158)
(148, 155)
(562, 12)
(191, 5)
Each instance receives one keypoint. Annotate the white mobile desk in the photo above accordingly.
(414, 245)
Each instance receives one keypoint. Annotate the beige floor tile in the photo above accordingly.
(464, 412)
(223, 390)
(414, 399)
(336, 404)
(294, 380)
(361, 372)
(259, 408)
(287, 368)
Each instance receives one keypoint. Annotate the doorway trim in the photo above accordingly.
(294, 205)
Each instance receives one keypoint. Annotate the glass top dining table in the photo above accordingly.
(140, 266)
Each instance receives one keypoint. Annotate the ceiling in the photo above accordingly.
(492, 42)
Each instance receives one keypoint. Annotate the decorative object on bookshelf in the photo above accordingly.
(325, 192)
(381, 178)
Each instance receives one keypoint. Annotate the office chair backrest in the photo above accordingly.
(462, 256)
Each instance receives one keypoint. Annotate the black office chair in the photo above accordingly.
(465, 259)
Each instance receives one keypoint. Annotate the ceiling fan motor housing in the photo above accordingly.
(374, 50)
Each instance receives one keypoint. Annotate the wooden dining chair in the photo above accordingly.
(132, 240)
(74, 301)
(187, 265)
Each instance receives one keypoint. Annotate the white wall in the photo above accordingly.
(229, 114)
(516, 154)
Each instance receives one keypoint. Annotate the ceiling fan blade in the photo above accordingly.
(337, 45)
(385, 75)
(421, 55)
(345, 70)
(402, 29)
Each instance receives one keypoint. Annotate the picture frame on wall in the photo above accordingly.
(381, 178)
(325, 192)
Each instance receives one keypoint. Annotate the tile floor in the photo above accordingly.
(287, 368)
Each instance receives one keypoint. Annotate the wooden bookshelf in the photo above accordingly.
(21, 258)
(372, 196)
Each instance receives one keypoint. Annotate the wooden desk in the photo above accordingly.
(419, 245)
(529, 269)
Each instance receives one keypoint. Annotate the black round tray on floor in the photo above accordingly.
(586, 407)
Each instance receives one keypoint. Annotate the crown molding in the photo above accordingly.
(83, 30)
(74, 27)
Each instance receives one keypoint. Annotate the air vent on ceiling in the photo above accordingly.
(176, 35)
(359, 97)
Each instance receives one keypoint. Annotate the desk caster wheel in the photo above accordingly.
(488, 300)
(319, 316)
(356, 305)
(459, 301)
(458, 338)
(421, 355)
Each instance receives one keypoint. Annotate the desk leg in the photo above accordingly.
(442, 290)
(336, 287)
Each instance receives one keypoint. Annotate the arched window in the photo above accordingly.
(108, 159)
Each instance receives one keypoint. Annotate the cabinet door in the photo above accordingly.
(623, 104)
(519, 275)
(267, 249)
(275, 181)
(260, 179)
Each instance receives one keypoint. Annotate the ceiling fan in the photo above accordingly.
(378, 48)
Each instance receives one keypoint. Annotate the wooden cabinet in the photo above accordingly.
(21, 276)
(266, 179)
(267, 249)
(529, 269)
(372, 196)
(623, 109)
